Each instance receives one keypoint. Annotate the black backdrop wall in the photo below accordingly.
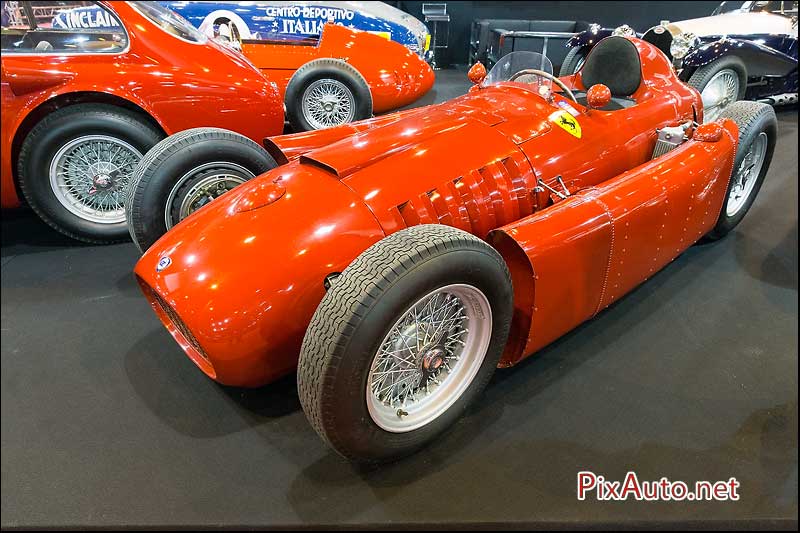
(639, 15)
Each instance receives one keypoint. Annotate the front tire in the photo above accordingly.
(720, 83)
(75, 164)
(325, 93)
(758, 129)
(404, 340)
(183, 173)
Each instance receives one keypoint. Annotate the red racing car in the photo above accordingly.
(397, 262)
(85, 99)
(341, 76)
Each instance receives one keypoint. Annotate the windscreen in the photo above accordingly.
(169, 21)
(521, 67)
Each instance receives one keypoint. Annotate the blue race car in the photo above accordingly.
(300, 20)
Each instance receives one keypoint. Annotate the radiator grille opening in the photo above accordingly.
(179, 325)
(174, 324)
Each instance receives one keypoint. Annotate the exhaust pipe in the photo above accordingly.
(781, 99)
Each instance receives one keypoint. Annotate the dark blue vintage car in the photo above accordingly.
(744, 50)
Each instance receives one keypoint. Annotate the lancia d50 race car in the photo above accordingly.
(397, 262)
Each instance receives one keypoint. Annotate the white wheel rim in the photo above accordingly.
(429, 358)
(208, 189)
(328, 103)
(88, 176)
(720, 91)
(746, 175)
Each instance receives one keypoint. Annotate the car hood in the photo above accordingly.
(735, 23)
(408, 172)
(510, 111)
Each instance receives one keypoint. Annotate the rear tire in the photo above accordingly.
(574, 60)
(758, 129)
(184, 172)
(75, 164)
(714, 101)
(325, 93)
(342, 349)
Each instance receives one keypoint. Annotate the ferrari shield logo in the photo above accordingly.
(566, 122)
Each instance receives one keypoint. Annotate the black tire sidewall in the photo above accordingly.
(303, 79)
(354, 430)
(747, 136)
(702, 75)
(574, 56)
(42, 146)
(152, 196)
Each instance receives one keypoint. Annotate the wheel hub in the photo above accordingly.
(428, 357)
(214, 179)
(327, 103)
(103, 177)
(720, 91)
(433, 359)
(102, 181)
(210, 191)
(89, 174)
(747, 175)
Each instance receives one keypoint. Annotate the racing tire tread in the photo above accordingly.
(149, 166)
(83, 110)
(702, 75)
(349, 300)
(751, 118)
(569, 66)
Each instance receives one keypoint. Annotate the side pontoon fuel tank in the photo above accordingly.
(572, 260)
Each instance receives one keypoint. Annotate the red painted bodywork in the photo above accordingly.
(243, 284)
(396, 76)
(179, 84)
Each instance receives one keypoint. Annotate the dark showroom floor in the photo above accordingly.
(693, 376)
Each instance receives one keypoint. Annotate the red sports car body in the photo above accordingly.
(582, 204)
(168, 81)
(396, 76)
(402, 170)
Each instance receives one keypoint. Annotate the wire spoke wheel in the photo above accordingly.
(746, 176)
(405, 339)
(89, 174)
(428, 358)
(720, 91)
(327, 103)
